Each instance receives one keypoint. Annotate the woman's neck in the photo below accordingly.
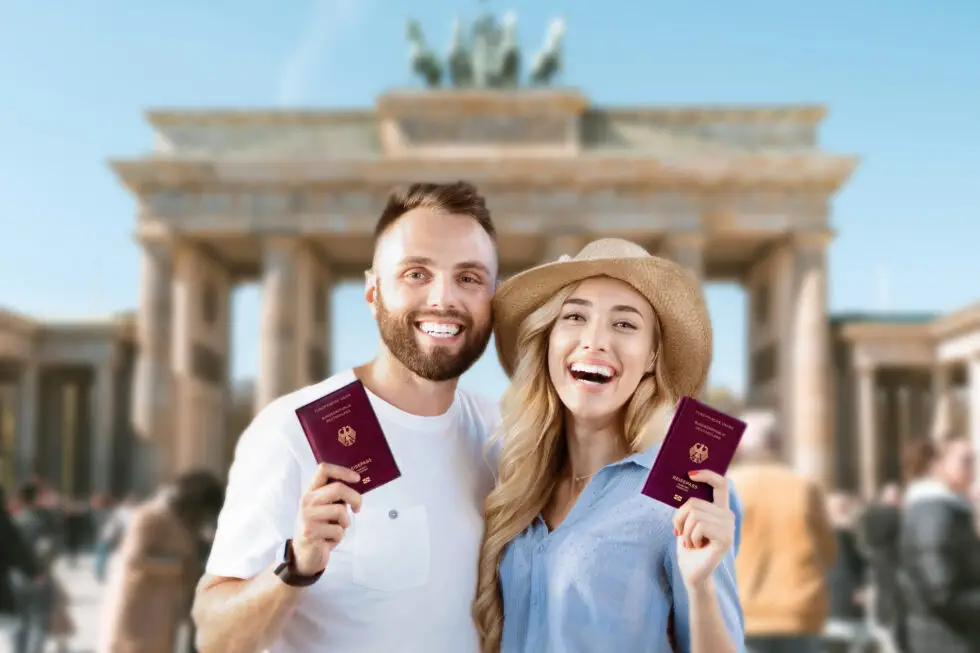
(593, 445)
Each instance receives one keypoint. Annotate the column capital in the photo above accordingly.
(818, 239)
(155, 235)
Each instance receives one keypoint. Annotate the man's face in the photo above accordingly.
(430, 289)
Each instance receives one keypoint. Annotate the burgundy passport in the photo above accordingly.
(699, 437)
(343, 429)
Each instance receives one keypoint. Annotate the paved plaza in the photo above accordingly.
(86, 599)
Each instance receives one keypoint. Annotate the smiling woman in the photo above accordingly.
(599, 348)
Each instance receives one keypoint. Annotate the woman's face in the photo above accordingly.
(600, 347)
(956, 466)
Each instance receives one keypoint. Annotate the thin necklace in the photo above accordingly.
(579, 479)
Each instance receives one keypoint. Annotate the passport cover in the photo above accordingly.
(343, 429)
(699, 437)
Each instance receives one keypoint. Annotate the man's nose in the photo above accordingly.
(441, 293)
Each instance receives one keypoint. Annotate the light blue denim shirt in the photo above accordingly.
(607, 578)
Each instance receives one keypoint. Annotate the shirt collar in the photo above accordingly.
(642, 458)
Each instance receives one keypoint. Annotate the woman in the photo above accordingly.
(599, 349)
(939, 552)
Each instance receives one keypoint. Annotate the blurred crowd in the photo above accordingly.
(148, 553)
(830, 573)
(816, 572)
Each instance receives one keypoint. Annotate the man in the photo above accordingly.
(17, 561)
(787, 546)
(39, 528)
(879, 532)
(292, 571)
(152, 581)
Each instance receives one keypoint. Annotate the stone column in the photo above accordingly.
(152, 384)
(29, 397)
(311, 303)
(941, 408)
(808, 360)
(567, 243)
(103, 419)
(687, 249)
(973, 404)
(277, 321)
(200, 360)
(867, 430)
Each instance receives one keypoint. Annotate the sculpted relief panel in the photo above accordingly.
(484, 130)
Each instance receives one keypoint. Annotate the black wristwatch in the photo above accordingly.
(286, 569)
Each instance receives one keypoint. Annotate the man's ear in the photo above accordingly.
(371, 290)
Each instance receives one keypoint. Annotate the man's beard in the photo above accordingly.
(400, 336)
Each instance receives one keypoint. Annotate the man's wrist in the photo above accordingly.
(291, 571)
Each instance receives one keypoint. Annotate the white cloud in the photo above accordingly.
(313, 49)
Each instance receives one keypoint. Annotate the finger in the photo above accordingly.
(688, 529)
(337, 492)
(341, 473)
(716, 481)
(324, 532)
(698, 538)
(680, 515)
(332, 513)
(320, 477)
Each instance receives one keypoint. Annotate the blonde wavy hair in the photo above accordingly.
(532, 450)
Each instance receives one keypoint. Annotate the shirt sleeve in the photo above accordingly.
(725, 584)
(261, 500)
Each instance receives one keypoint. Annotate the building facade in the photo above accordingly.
(290, 199)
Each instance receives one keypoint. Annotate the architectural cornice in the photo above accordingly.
(567, 101)
(17, 323)
(888, 331)
(964, 320)
(821, 171)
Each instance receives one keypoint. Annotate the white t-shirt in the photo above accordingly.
(404, 577)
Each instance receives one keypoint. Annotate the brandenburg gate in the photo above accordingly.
(290, 198)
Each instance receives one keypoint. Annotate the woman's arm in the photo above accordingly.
(706, 622)
(707, 613)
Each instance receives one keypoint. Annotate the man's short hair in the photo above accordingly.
(457, 198)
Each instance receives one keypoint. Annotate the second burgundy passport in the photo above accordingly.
(343, 429)
(699, 437)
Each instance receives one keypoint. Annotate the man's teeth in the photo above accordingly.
(601, 370)
(439, 330)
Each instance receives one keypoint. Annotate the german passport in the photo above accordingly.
(699, 437)
(343, 429)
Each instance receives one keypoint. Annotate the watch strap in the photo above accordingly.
(286, 569)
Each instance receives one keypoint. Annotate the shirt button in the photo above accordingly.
(392, 514)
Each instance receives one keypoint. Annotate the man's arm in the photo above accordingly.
(242, 616)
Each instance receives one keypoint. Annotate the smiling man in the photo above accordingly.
(303, 563)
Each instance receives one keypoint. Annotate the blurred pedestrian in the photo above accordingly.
(152, 578)
(18, 567)
(939, 553)
(847, 624)
(787, 546)
(878, 537)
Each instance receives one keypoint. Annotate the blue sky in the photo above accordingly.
(900, 79)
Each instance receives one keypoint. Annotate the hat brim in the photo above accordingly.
(673, 292)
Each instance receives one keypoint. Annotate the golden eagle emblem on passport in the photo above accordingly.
(346, 435)
(699, 453)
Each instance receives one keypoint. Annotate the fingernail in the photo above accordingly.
(676, 532)
(694, 472)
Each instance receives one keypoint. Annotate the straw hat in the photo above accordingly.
(673, 291)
